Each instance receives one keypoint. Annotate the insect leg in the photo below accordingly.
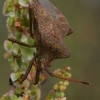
(45, 77)
(30, 18)
(37, 75)
(28, 70)
(50, 73)
(24, 76)
(20, 43)
(77, 81)
(38, 70)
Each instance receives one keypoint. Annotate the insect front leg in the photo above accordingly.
(20, 43)
(28, 70)
(24, 76)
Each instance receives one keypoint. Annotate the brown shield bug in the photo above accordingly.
(48, 27)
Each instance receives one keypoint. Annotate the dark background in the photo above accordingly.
(83, 44)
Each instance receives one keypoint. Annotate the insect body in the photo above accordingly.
(50, 29)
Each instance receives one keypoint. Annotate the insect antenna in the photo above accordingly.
(77, 81)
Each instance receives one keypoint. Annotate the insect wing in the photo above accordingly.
(47, 5)
(58, 16)
(46, 23)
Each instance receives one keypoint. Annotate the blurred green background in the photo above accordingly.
(83, 44)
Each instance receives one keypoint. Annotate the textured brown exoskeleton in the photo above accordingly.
(49, 29)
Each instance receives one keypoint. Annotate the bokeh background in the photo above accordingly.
(83, 44)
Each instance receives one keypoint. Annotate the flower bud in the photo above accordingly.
(62, 88)
(56, 87)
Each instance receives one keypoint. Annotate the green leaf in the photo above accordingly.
(15, 2)
(8, 8)
(24, 21)
(10, 58)
(16, 49)
(19, 14)
(8, 46)
(14, 65)
(18, 91)
(10, 20)
(5, 98)
(24, 3)
(18, 35)
(24, 11)
(30, 41)
(27, 53)
(23, 39)
(19, 62)
(15, 76)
